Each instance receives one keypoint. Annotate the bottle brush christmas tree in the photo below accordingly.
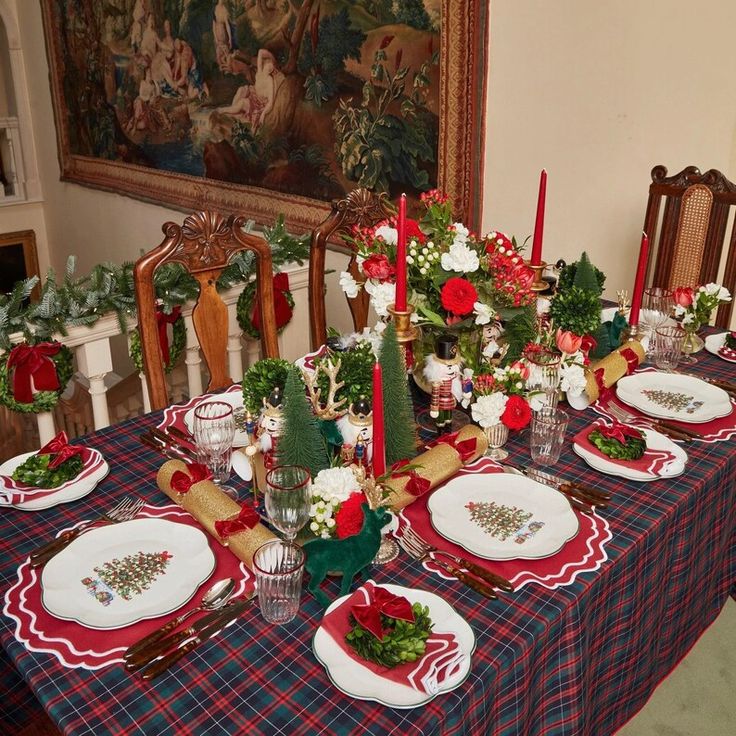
(301, 442)
(397, 407)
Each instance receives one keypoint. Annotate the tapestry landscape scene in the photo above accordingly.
(306, 97)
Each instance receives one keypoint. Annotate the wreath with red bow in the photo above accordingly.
(170, 351)
(248, 311)
(45, 366)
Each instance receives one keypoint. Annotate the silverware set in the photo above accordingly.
(170, 442)
(663, 427)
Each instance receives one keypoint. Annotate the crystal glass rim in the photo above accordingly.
(547, 415)
(551, 358)
(279, 486)
(659, 291)
(671, 331)
(281, 542)
(227, 409)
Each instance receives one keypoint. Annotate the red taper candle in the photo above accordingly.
(536, 258)
(400, 300)
(379, 435)
(641, 274)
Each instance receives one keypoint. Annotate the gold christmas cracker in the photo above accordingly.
(208, 504)
(438, 464)
(614, 366)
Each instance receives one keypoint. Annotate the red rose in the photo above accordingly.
(413, 231)
(349, 517)
(458, 296)
(517, 413)
(378, 267)
(683, 296)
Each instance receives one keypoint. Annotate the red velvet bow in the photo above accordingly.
(33, 362)
(281, 305)
(60, 447)
(162, 320)
(181, 482)
(604, 392)
(465, 448)
(388, 604)
(631, 358)
(416, 485)
(246, 519)
(618, 432)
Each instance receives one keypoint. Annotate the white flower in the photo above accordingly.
(679, 310)
(483, 313)
(491, 348)
(330, 523)
(314, 526)
(382, 295)
(335, 484)
(487, 409)
(688, 318)
(572, 379)
(460, 258)
(389, 234)
(349, 285)
(409, 260)
(718, 291)
(461, 233)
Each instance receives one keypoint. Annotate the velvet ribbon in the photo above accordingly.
(631, 358)
(386, 603)
(244, 521)
(32, 366)
(604, 392)
(162, 320)
(618, 432)
(281, 305)
(464, 448)
(416, 485)
(181, 482)
(60, 447)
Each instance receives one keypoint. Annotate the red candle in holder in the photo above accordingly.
(536, 258)
(379, 436)
(400, 300)
(641, 273)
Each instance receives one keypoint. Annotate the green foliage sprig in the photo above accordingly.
(35, 471)
(261, 379)
(632, 449)
(356, 372)
(577, 310)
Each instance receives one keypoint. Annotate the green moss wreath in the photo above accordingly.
(178, 343)
(244, 310)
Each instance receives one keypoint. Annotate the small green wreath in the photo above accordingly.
(178, 343)
(261, 379)
(632, 449)
(43, 400)
(244, 310)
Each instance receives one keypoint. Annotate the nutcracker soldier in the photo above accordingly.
(358, 423)
(262, 450)
(450, 383)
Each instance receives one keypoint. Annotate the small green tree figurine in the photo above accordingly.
(301, 442)
(398, 413)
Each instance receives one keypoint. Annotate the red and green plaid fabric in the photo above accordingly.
(580, 660)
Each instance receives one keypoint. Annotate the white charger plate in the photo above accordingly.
(95, 469)
(452, 519)
(352, 678)
(66, 596)
(235, 399)
(715, 401)
(713, 344)
(655, 441)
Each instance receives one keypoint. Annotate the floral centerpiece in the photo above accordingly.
(457, 281)
(694, 306)
(336, 504)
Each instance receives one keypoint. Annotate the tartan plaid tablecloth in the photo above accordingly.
(579, 660)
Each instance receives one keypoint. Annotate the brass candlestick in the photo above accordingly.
(539, 284)
(406, 333)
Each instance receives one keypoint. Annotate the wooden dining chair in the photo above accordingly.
(693, 239)
(361, 208)
(204, 245)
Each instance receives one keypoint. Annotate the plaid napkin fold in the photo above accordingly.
(442, 658)
(652, 462)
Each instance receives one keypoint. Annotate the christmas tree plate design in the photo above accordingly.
(714, 345)
(122, 573)
(235, 399)
(502, 516)
(354, 679)
(674, 396)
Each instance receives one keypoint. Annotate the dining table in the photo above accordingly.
(579, 658)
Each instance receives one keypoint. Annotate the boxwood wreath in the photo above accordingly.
(43, 400)
(261, 379)
(244, 310)
(176, 348)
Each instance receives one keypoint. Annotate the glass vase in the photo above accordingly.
(692, 343)
(497, 436)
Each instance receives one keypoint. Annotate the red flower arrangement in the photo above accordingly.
(458, 296)
(517, 413)
(349, 518)
(378, 267)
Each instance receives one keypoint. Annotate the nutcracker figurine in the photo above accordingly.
(358, 423)
(267, 432)
(450, 383)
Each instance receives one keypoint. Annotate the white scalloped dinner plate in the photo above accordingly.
(713, 344)
(73, 590)
(524, 502)
(714, 402)
(356, 680)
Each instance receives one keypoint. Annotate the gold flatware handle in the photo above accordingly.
(43, 554)
(163, 664)
(142, 658)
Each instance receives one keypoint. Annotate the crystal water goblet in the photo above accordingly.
(288, 498)
(214, 432)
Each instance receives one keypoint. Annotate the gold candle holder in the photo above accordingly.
(406, 332)
(539, 284)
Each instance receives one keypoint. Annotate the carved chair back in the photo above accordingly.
(204, 245)
(360, 208)
(693, 239)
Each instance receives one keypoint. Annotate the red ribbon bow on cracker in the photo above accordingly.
(386, 603)
(416, 485)
(32, 366)
(60, 447)
(162, 320)
(181, 482)
(245, 520)
(618, 432)
(631, 358)
(464, 448)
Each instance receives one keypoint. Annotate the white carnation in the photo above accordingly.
(382, 296)
(572, 379)
(461, 233)
(389, 234)
(460, 258)
(335, 484)
(349, 285)
(487, 409)
(483, 313)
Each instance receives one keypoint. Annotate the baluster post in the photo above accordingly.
(234, 345)
(193, 360)
(94, 360)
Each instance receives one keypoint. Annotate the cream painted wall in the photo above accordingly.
(598, 93)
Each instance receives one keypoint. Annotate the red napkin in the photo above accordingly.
(442, 657)
(651, 462)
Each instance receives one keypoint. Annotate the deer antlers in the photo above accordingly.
(331, 408)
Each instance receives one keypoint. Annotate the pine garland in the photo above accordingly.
(301, 442)
(397, 407)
